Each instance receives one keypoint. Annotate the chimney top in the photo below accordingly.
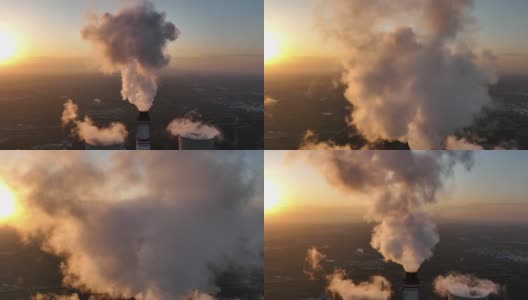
(143, 116)
(411, 278)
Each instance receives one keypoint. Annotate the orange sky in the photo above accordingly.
(492, 191)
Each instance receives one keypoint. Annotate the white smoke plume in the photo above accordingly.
(412, 71)
(312, 263)
(142, 225)
(399, 185)
(464, 285)
(133, 42)
(86, 130)
(378, 288)
(192, 129)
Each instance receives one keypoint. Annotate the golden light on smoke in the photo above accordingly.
(7, 202)
(271, 47)
(8, 47)
(272, 196)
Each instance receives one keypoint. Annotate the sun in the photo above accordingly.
(8, 47)
(271, 47)
(271, 196)
(7, 202)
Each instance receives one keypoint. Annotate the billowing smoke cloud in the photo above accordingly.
(417, 82)
(399, 185)
(86, 130)
(193, 129)
(133, 42)
(378, 288)
(464, 285)
(312, 263)
(142, 225)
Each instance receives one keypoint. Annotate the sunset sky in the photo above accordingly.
(494, 190)
(228, 31)
(291, 26)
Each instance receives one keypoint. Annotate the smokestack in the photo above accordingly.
(186, 143)
(455, 297)
(411, 286)
(143, 131)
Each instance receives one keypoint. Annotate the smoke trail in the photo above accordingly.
(86, 130)
(268, 102)
(417, 82)
(378, 288)
(400, 184)
(142, 225)
(464, 285)
(192, 129)
(132, 42)
(312, 262)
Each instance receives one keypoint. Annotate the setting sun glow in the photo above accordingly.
(271, 47)
(7, 202)
(8, 47)
(271, 196)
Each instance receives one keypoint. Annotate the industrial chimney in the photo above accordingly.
(187, 143)
(476, 297)
(143, 131)
(411, 286)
